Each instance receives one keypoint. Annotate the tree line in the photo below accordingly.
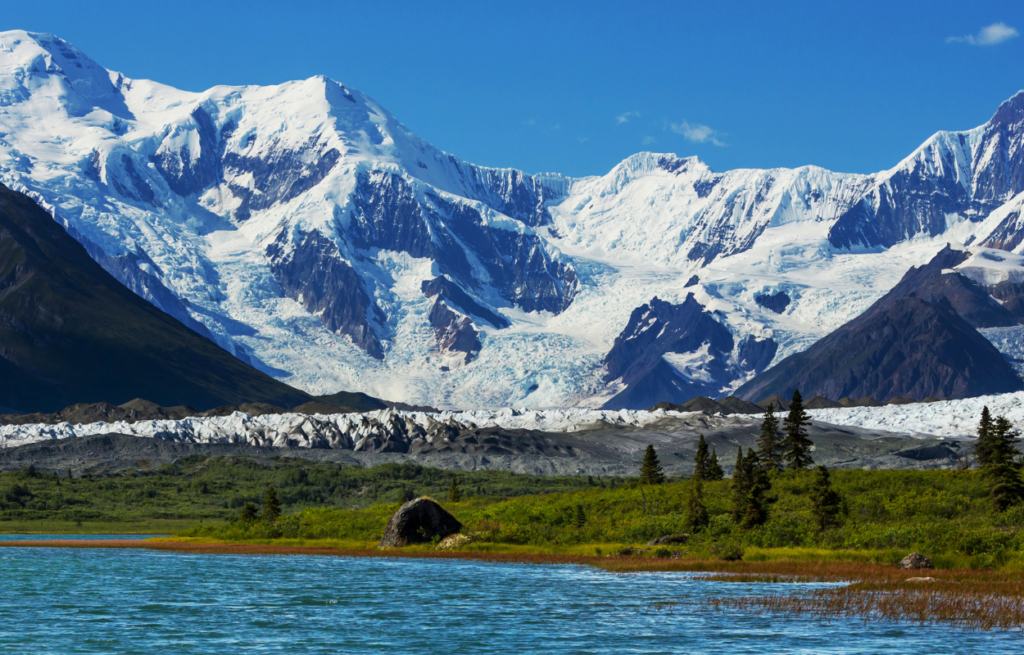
(779, 448)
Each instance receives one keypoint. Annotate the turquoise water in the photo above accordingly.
(139, 601)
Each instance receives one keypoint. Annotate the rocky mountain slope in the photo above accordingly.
(573, 442)
(917, 341)
(71, 332)
(307, 231)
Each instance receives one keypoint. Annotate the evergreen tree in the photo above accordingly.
(697, 518)
(769, 442)
(714, 471)
(248, 513)
(758, 490)
(827, 502)
(796, 445)
(701, 459)
(454, 493)
(579, 518)
(1001, 442)
(1002, 464)
(651, 471)
(271, 506)
(739, 488)
(982, 448)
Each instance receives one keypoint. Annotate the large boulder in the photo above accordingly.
(418, 521)
(916, 561)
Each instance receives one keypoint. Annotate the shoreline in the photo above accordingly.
(799, 569)
(968, 599)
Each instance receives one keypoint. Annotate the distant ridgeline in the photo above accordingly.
(388, 265)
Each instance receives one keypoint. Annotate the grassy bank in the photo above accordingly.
(211, 490)
(886, 514)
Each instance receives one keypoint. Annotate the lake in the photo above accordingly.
(139, 601)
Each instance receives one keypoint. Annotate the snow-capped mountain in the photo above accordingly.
(305, 229)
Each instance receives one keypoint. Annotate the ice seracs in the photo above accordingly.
(300, 226)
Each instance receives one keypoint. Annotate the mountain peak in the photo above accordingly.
(38, 63)
(1011, 111)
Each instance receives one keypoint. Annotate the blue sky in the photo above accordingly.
(576, 87)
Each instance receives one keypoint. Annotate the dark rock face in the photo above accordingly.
(456, 297)
(72, 333)
(186, 172)
(1008, 234)
(917, 198)
(279, 176)
(1011, 297)
(517, 262)
(455, 332)
(658, 329)
(911, 343)
(692, 282)
(756, 354)
(511, 192)
(654, 330)
(776, 302)
(314, 273)
(972, 302)
(388, 214)
(418, 521)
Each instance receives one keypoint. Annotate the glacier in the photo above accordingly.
(298, 226)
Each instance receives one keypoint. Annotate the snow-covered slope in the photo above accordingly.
(370, 431)
(306, 230)
(948, 418)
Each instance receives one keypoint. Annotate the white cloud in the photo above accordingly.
(697, 133)
(530, 122)
(582, 139)
(648, 140)
(993, 34)
(624, 118)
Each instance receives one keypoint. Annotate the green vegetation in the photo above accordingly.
(215, 489)
(883, 515)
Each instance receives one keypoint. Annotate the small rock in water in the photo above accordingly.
(916, 561)
(669, 539)
(418, 521)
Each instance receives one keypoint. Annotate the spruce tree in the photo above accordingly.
(248, 513)
(271, 506)
(769, 442)
(982, 449)
(454, 493)
(579, 518)
(1001, 441)
(796, 444)
(697, 518)
(739, 488)
(1002, 464)
(651, 471)
(758, 489)
(701, 459)
(714, 471)
(826, 501)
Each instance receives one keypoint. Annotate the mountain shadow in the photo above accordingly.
(918, 341)
(71, 333)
